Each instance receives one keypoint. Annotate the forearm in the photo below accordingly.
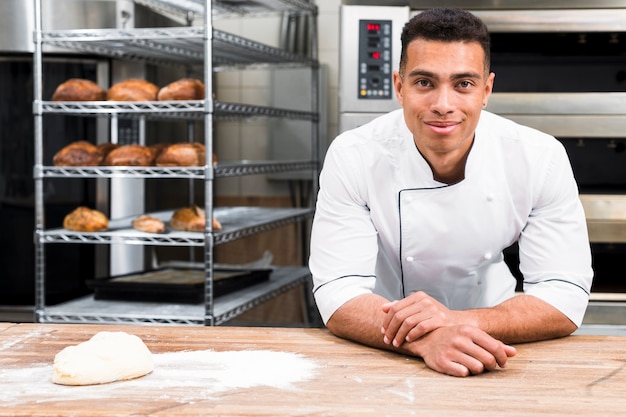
(458, 350)
(523, 318)
(360, 320)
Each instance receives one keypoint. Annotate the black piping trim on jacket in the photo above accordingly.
(400, 226)
(560, 280)
(344, 276)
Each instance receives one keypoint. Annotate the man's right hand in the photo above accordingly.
(460, 350)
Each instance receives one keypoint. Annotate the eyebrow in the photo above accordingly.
(428, 74)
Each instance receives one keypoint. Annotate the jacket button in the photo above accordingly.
(410, 259)
(487, 256)
(490, 197)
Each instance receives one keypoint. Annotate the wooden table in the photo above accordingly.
(578, 375)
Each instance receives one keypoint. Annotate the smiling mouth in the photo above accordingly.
(442, 123)
(442, 127)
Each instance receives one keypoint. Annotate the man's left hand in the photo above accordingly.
(412, 317)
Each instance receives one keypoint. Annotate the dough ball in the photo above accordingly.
(106, 357)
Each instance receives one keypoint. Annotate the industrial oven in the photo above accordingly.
(560, 67)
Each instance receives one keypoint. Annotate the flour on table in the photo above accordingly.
(178, 376)
(106, 357)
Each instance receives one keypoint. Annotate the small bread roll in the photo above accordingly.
(78, 89)
(80, 153)
(133, 89)
(181, 154)
(183, 89)
(84, 219)
(130, 155)
(149, 224)
(191, 219)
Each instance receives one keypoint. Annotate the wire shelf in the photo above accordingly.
(183, 11)
(226, 169)
(237, 222)
(164, 110)
(173, 45)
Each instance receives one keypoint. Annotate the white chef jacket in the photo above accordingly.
(384, 225)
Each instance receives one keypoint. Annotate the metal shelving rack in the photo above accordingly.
(192, 45)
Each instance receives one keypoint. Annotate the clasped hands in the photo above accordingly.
(448, 341)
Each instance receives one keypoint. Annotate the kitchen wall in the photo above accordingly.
(250, 140)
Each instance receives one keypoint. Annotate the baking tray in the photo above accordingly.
(175, 285)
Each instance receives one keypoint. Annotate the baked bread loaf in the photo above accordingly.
(157, 148)
(78, 89)
(149, 224)
(181, 154)
(130, 155)
(105, 149)
(80, 153)
(183, 89)
(84, 219)
(133, 89)
(191, 219)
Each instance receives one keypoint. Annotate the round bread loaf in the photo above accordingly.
(181, 154)
(84, 219)
(80, 153)
(78, 89)
(183, 89)
(191, 219)
(133, 89)
(148, 224)
(130, 155)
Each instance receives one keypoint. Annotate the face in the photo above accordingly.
(443, 90)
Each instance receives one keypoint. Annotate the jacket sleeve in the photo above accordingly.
(343, 239)
(555, 255)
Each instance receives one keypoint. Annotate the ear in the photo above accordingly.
(397, 84)
(488, 88)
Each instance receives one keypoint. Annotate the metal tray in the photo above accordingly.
(175, 285)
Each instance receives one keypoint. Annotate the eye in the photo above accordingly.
(465, 84)
(423, 83)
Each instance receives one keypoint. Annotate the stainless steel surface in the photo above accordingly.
(611, 104)
(570, 20)
(349, 101)
(291, 139)
(493, 4)
(17, 19)
(588, 115)
(606, 218)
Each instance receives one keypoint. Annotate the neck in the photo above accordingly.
(449, 173)
(447, 167)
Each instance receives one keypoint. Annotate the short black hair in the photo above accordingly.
(445, 25)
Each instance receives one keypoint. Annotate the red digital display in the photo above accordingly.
(373, 27)
(375, 55)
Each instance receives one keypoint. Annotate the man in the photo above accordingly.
(416, 207)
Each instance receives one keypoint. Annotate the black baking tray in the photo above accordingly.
(175, 285)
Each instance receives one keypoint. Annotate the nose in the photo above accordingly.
(442, 101)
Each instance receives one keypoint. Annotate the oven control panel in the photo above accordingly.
(369, 53)
(375, 65)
